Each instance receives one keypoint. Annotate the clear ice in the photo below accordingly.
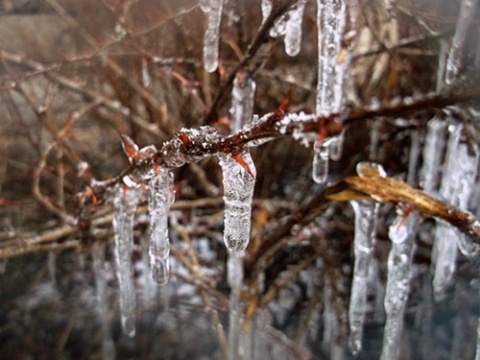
(212, 35)
(125, 203)
(293, 29)
(238, 187)
(402, 235)
(330, 21)
(161, 197)
(457, 49)
(320, 161)
(456, 188)
(365, 221)
(243, 93)
(432, 155)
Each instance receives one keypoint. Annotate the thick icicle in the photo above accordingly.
(330, 22)
(238, 185)
(365, 220)
(320, 162)
(108, 346)
(243, 93)
(402, 235)
(293, 31)
(212, 35)
(432, 154)
(161, 196)
(457, 50)
(125, 203)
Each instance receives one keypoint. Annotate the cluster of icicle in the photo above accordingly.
(453, 184)
(126, 198)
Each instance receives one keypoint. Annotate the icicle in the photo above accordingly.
(235, 280)
(242, 100)
(336, 146)
(456, 56)
(293, 31)
(108, 346)
(238, 185)
(212, 35)
(432, 154)
(456, 188)
(125, 203)
(365, 220)
(161, 196)
(320, 162)
(330, 22)
(279, 28)
(402, 235)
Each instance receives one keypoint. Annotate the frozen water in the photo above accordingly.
(125, 203)
(432, 154)
(243, 93)
(238, 186)
(402, 235)
(212, 35)
(330, 22)
(365, 220)
(456, 56)
(161, 197)
(457, 182)
(279, 28)
(336, 146)
(293, 31)
(320, 162)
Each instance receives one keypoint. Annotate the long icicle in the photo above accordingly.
(161, 197)
(457, 50)
(402, 235)
(239, 175)
(365, 221)
(125, 203)
(331, 16)
(212, 35)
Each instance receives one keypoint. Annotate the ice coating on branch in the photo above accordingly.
(243, 93)
(365, 221)
(320, 162)
(238, 186)
(457, 50)
(432, 154)
(108, 346)
(293, 31)
(330, 22)
(212, 35)
(125, 202)
(402, 235)
(161, 196)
